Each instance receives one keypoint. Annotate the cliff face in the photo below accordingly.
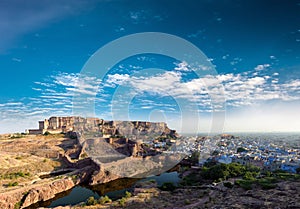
(112, 143)
(143, 130)
(118, 148)
(130, 129)
(27, 196)
(47, 192)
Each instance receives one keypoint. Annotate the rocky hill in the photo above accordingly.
(32, 165)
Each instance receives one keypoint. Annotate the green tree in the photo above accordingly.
(249, 175)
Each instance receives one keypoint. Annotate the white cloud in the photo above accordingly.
(209, 92)
(238, 89)
(76, 83)
(293, 85)
(256, 81)
(182, 66)
(116, 79)
(262, 67)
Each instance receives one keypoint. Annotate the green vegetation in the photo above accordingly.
(127, 194)
(267, 183)
(264, 183)
(245, 184)
(14, 175)
(12, 184)
(222, 172)
(282, 175)
(168, 186)
(18, 205)
(91, 201)
(104, 199)
(122, 201)
(249, 176)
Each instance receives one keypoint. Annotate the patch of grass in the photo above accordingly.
(267, 183)
(127, 194)
(297, 176)
(122, 201)
(18, 205)
(285, 176)
(91, 201)
(267, 186)
(268, 180)
(15, 175)
(12, 184)
(245, 184)
(104, 199)
(250, 175)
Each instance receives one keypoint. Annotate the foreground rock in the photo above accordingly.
(27, 196)
(286, 195)
(46, 192)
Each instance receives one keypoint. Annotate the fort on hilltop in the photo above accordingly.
(106, 128)
(55, 124)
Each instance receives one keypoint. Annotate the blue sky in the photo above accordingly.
(254, 46)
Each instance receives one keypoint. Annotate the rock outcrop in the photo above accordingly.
(46, 192)
(101, 176)
(25, 197)
(114, 162)
(129, 129)
(10, 199)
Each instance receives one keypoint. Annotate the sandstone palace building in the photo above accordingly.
(60, 124)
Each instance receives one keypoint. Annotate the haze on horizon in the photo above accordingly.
(254, 46)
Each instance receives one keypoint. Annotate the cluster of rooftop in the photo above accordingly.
(268, 154)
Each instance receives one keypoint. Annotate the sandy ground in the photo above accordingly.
(22, 160)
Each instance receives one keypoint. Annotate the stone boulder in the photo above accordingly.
(47, 191)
